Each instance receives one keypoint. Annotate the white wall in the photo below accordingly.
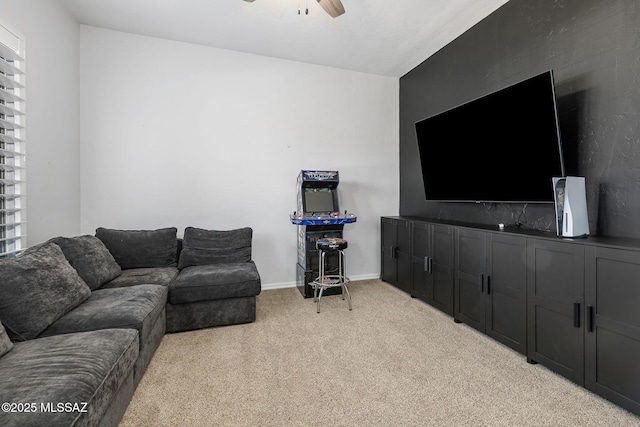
(52, 134)
(176, 134)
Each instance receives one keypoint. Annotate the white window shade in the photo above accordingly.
(12, 144)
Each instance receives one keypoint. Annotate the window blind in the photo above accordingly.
(12, 144)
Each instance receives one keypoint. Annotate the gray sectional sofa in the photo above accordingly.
(82, 316)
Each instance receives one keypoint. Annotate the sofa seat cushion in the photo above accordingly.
(87, 367)
(215, 281)
(91, 259)
(37, 288)
(141, 276)
(141, 248)
(136, 307)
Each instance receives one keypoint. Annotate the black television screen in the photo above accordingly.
(502, 147)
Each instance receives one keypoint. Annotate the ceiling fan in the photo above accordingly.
(333, 7)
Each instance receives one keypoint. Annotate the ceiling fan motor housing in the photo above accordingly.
(333, 7)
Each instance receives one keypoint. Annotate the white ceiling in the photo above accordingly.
(384, 37)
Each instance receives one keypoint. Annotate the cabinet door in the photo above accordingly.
(420, 261)
(388, 268)
(403, 276)
(555, 298)
(612, 338)
(469, 304)
(506, 285)
(441, 268)
(395, 252)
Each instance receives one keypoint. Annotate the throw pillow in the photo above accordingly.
(91, 259)
(5, 343)
(203, 247)
(37, 288)
(141, 248)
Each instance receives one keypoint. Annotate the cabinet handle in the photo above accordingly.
(481, 282)
(576, 314)
(488, 285)
(394, 252)
(590, 318)
(428, 264)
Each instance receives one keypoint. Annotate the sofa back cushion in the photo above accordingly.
(91, 259)
(5, 342)
(36, 289)
(204, 247)
(141, 248)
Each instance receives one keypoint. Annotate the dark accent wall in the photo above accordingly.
(593, 47)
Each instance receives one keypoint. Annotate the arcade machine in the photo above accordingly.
(318, 216)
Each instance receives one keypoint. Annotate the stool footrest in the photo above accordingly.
(329, 282)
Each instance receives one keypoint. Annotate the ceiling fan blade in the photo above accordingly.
(332, 7)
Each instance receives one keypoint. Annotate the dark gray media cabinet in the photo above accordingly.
(572, 305)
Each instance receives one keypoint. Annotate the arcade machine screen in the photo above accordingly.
(320, 200)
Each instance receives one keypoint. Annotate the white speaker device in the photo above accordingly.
(570, 196)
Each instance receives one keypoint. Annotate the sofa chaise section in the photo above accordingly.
(213, 295)
(89, 373)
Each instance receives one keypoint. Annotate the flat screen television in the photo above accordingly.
(501, 147)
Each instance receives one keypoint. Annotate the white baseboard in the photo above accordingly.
(268, 286)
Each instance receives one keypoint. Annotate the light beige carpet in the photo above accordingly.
(392, 361)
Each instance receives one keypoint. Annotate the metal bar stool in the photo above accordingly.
(324, 281)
